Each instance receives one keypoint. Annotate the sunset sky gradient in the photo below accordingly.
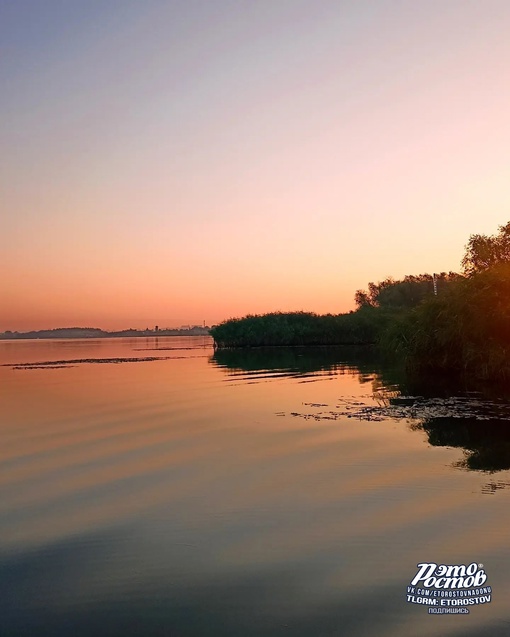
(168, 162)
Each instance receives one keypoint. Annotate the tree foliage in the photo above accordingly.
(465, 328)
(299, 328)
(403, 294)
(484, 252)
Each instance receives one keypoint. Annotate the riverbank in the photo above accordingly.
(300, 329)
(464, 330)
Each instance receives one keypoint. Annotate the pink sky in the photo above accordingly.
(169, 163)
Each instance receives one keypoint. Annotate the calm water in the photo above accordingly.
(242, 494)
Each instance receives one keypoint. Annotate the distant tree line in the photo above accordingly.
(94, 332)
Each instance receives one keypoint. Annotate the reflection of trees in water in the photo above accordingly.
(367, 363)
(364, 362)
(485, 443)
(383, 391)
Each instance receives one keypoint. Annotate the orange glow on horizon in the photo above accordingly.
(261, 160)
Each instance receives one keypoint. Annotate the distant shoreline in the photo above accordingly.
(86, 332)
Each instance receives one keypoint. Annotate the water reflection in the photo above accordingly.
(169, 497)
(485, 443)
(293, 361)
(451, 415)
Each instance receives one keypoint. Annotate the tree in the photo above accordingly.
(404, 294)
(362, 299)
(484, 252)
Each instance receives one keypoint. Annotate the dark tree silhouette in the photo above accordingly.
(484, 252)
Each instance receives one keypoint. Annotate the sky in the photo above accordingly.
(167, 162)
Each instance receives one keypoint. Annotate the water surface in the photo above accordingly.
(153, 487)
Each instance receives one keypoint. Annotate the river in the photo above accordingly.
(153, 487)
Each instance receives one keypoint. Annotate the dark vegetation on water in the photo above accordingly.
(60, 364)
(446, 323)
